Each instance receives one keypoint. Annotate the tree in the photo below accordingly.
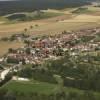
(10, 96)
(10, 50)
(28, 51)
(36, 25)
(31, 27)
(2, 93)
(25, 29)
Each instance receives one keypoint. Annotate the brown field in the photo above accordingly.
(51, 25)
(57, 28)
(9, 29)
(4, 46)
(65, 21)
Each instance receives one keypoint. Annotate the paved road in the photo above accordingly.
(4, 73)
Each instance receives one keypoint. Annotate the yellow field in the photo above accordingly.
(51, 25)
(66, 21)
(4, 46)
(84, 18)
(9, 29)
(57, 28)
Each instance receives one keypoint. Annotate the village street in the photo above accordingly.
(4, 73)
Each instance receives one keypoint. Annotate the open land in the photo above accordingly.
(66, 20)
(4, 46)
(64, 63)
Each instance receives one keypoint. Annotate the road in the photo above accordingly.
(4, 73)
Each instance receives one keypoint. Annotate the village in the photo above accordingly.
(39, 49)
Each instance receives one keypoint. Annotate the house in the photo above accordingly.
(1, 59)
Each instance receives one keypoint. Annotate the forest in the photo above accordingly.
(7, 7)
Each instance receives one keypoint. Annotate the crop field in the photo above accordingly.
(57, 28)
(30, 87)
(39, 87)
(27, 87)
(50, 26)
(4, 46)
(62, 20)
(9, 29)
(85, 19)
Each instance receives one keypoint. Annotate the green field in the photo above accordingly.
(28, 87)
(33, 86)
(26, 16)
